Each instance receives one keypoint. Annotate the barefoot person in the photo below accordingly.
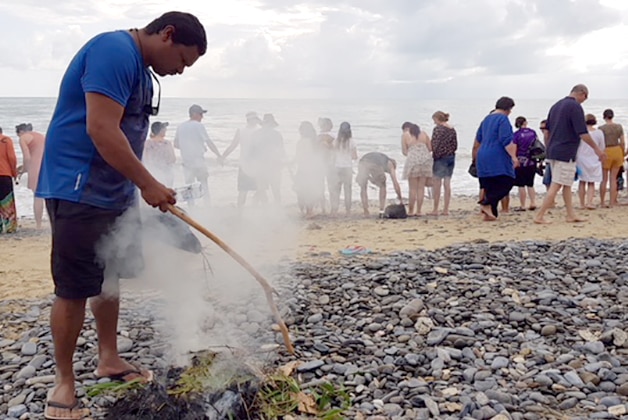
(444, 146)
(524, 139)
(615, 150)
(590, 167)
(373, 167)
(496, 157)
(32, 145)
(566, 125)
(89, 175)
(8, 172)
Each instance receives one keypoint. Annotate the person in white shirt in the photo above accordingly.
(345, 152)
(192, 140)
(247, 166)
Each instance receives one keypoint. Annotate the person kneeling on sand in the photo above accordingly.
(373, 167)
(566, 125)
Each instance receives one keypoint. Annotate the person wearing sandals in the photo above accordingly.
(444, 146)
(90, 176)
(589, 165)
(524, 138)
(417, 147)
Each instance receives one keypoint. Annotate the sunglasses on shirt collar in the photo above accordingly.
(149, 108)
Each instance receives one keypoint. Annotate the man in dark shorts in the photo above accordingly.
(90, 171)
(373, 167)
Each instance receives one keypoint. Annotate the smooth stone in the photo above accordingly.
(517, 316)
(313, 319)
(437, 335)
(568, 403)
(617, 410)
(26, 372)
(543, 380)
(623, 389)
(381, 291)
(38, 361)
(485, 385)
(595, 347)
(498, 396)
(124, 344)
(548, 330)
(500, 362)
(17, 400)
(573, 378)
(610, 401)
(412, 309)
(29, 349)
(17, 411)
(392, 409)
(309, 366)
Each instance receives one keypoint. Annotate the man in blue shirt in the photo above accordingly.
(566, 125)
(91, 167)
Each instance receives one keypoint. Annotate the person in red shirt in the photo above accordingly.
(8, 172)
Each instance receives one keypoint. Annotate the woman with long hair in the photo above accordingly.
(417, 148)
(444, 146)
(345, 152)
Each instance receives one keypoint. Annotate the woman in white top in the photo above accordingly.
(345, 152)
(589, 165)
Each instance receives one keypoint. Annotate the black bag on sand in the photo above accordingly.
(395, 211)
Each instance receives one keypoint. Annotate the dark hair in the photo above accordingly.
(505, 103)
(0, 130)
(325, 124)
(187, 29)
(415, 130)
(25, 127)
(519, 121)
(307, 131)
(608, 114)
(344, 136)
(590, 119)
(406, 125)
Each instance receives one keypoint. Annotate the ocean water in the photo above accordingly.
(375, 124)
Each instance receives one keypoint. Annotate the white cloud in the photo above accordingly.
(344, 48)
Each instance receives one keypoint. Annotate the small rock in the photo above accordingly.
(595, 347)
(17, 411)
(309, 366)
(124, 344)
(29, 349)
(500, 362)
(623, 389)
(617, 410)
(26, 372)
(313, 319)
(548, 330)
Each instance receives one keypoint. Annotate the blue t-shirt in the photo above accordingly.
(494, 134)
(72, 169)
(565, 123)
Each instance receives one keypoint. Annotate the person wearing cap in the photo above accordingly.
(159, 155)
(247, 164)
(192, 140)
(270, 155)
(90, 175)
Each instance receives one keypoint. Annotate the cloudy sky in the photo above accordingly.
(344, 48)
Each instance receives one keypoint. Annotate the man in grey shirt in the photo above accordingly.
(192, 140)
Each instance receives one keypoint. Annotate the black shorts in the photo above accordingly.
(524, 176)
(90, 244)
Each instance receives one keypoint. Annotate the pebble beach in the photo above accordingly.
(440, 317)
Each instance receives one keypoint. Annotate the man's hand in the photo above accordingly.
(158, 195)
(515, 162)
(601, 154)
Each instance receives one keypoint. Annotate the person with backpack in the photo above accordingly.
(524, 138)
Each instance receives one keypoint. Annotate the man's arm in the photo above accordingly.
(103, 126)
(209, 142)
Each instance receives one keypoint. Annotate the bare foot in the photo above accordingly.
(541, 221)
(487, 218)
(488, 213)
(591, 207)
(434, 213)
(445, 213)
(577, 220)
(63, 394)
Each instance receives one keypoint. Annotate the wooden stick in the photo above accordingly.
(268, 290)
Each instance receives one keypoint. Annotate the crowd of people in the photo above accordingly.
(572, 149)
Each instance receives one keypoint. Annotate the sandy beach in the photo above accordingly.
(25, 259)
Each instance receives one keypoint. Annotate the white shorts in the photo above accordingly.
(563, 173)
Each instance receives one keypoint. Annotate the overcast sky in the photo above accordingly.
(344, 48)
